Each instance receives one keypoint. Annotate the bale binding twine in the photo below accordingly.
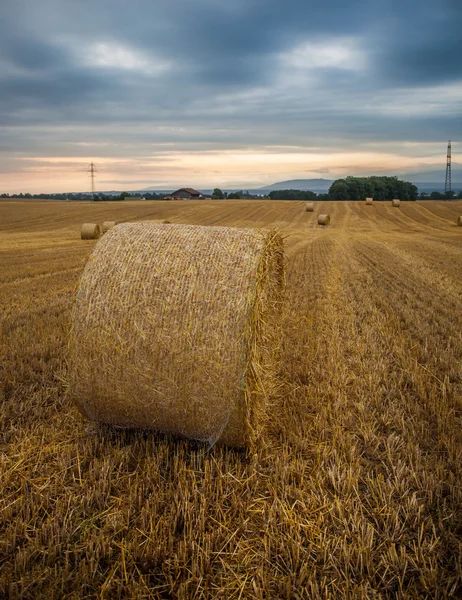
(174, 329)
(309, 207)
(369, 201)
(107, 225)
(396, 202)
(323, 219)
(90, 231)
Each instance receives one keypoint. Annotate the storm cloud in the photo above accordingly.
(142, 78)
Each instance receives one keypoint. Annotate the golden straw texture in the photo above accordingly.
(369, 200)
(396, 202)
(175, 328)
(323, 219)
(309, 207)
(107, 225)
(90, 231)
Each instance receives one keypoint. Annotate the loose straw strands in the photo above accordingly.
(174, 330)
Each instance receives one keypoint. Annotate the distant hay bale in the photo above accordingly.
(173, 330)
(369, 200)
(107, 225)
(90, 231)
(309, 207)
(396, 202)
(166, 221)
(459, 221)
(323, 219)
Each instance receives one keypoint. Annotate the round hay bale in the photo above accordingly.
(459, 221)
(174, 330)
(107, 225)
(396, 202)
(323, 219)
(166, 221)
(309, 207)
(90, 231)
(369, 201)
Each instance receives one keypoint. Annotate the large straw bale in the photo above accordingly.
(396, 202)
(323, 219)
(107, 225)
(309, 207)
(90, 231)
(459, 221)
(369, 201)
(175, 329)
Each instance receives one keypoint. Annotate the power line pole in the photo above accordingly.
(92, 170)
(447, 183)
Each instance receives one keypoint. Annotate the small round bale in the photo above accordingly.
(369, 201)
(174, 330)
(309, 207)
(90, 231)
(107, 225)
(323, 219)
(459, 221)
(396, 202)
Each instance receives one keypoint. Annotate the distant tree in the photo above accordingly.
(292, 195)
(339, 190)
(459, 195)
(435, 196)
(124, 195)
(234, 196)
(217, 193)
(379, 188)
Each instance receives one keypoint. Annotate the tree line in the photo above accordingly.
(348, 188)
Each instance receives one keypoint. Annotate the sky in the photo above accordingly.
(225, 93)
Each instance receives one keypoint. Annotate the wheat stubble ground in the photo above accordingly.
(357, 492)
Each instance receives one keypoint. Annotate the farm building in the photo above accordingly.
(186, 193)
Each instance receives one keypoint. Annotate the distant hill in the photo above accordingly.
(425, 181)
(429, 177)
(313, 185)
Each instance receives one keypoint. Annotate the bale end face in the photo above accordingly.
(173, 330)
(369, 201)
(323, 219)
(90, 231)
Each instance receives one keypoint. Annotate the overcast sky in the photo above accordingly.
(225, 93)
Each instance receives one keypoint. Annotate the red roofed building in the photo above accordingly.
(186, 193)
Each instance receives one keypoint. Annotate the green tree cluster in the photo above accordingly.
(218, 194)
(292, 195)
(379, 188)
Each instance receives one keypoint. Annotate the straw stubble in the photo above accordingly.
(175, 329)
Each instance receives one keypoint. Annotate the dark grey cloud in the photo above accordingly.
(128, 76)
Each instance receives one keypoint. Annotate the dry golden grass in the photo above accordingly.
(357, 492)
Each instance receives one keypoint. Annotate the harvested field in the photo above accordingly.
(357, 492)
